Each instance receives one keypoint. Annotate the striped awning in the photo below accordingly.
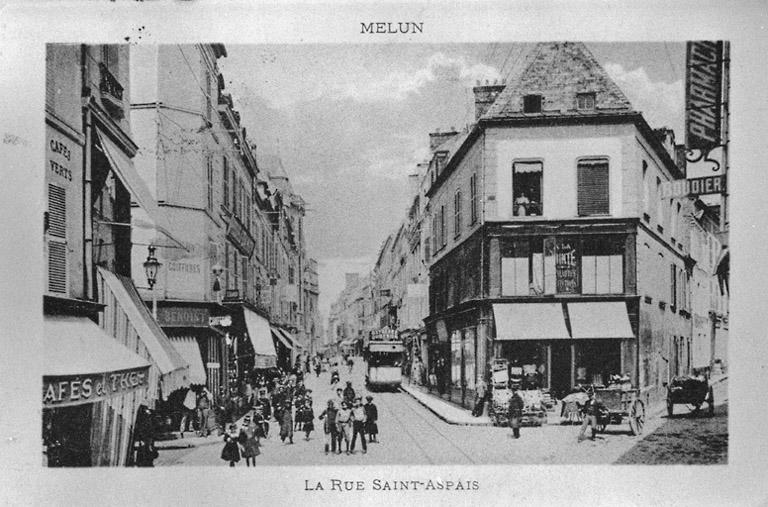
(188, 348)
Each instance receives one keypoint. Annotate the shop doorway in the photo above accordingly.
(67, 436)
(561, 368)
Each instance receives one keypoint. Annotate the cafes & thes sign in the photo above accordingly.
(69, 390)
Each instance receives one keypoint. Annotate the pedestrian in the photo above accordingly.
(590, 410)
(249, 441)
(480, 393)
(371, 416)
(344, 426)
(286, 423)
(144, 436)
(309, 417)
(318, 367)
(266, 410)
(299, 416)
(358, 425)
(516, 405)
(349, 393)
(231, 451)
(350, 364)
(330, 430)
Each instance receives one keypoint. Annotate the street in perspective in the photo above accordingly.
(386, 254)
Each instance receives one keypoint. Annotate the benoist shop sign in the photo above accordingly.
(68, 390)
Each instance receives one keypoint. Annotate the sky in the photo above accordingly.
(350, 122)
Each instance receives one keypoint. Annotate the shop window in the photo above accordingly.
(592, 187)
(456, 358)
(597, 360)
(585, 101)
(526, 188)
(522, 268)
(602, 266)
(532, 103)
(469, 358)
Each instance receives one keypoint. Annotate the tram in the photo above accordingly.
(385, 360)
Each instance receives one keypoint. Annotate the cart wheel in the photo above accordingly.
(711, 403)
(637, 418)
(670, 408)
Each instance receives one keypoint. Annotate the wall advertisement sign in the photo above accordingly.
(239, 237)
(180, 316)
(567, 267)
(693, 187)
(703, 94)
(69, 390)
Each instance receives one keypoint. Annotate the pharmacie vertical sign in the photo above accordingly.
(703, 95)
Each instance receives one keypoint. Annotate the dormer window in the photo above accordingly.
(532, 104)
(585, 101)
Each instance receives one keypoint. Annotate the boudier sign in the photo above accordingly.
(61, 391)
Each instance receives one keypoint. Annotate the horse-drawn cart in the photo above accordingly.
(693, 391)
(616, 404)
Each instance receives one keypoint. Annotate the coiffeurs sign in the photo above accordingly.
(61, 391)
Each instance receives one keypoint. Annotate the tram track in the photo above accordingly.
(424, 417)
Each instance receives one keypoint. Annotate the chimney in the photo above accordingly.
(437, 138)
(485, 96)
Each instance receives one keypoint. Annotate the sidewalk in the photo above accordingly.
(452, 414)
(174, 440)
(444, 410)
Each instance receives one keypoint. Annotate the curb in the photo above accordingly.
(177, 444)
(441, 416)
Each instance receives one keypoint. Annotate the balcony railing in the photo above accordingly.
(109, 84)
(529, 209)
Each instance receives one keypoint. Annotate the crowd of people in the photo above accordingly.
(288, 402)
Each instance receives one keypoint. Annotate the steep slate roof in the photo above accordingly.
(558, 71)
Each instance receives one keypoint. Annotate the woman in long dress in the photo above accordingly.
(231, 451)
(286, 424)
(251, 442)
(309, 417)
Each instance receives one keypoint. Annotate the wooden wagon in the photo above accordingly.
(618, 404)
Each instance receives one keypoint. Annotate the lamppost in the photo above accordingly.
(151, 266)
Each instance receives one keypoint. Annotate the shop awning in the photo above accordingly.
(282, 337)
(259, 334)
(188, 348)
(290, 336)
(173, 366)
(83, 364)
(123, 168)
(600, 320)
(530, 321)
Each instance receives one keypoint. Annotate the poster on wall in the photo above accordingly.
(567, 267)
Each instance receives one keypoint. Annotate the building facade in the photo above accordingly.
(551, 245)
(105, 358)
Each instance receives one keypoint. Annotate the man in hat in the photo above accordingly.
(328, 416)
(349, 393)
(516, 405)
(371, 416)
(590, 416)
(358, 424)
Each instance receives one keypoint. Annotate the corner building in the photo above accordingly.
(550, 243)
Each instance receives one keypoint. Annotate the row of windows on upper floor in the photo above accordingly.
(527, 181)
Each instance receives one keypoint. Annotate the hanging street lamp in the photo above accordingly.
(151, 267)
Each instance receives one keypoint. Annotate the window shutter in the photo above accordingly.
(56, 241)
(592, 188)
